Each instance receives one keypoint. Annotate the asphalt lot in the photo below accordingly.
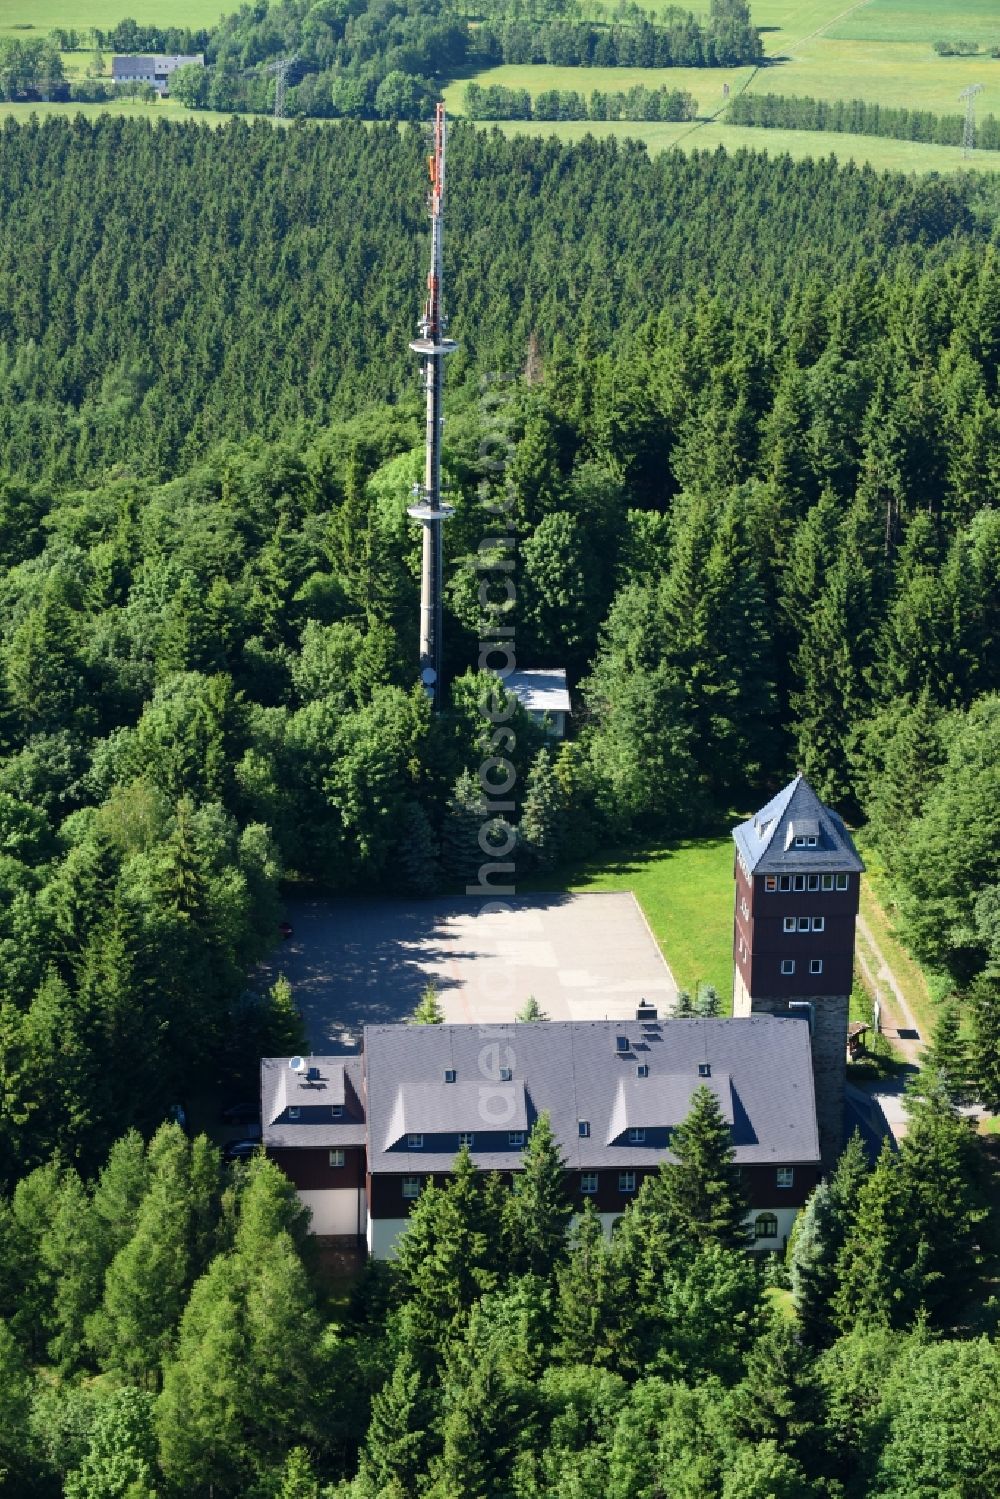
(583, 957)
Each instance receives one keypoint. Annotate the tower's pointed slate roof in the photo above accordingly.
(766, 842)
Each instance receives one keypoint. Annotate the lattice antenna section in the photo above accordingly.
(432, 346)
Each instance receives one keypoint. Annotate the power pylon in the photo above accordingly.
(969, 130)
(280, 69)
(432, 346)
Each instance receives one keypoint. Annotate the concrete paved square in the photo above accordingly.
(583, 957)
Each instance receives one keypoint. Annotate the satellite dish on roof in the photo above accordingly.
(297, 1064)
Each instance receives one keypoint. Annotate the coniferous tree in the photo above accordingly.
(543, 814)
(400, 1439)
(538, 1209)
(702, 1184)
(947, 1057)
(531, 1010)
(428, 1010)
(816, 1241)
(984, 997)
(586, 1310)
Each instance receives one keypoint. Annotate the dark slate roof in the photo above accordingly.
(337, 1084)
(760, 1067)
(766, 842)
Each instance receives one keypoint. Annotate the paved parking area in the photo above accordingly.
(583, 957)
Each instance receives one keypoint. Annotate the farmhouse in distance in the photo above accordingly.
(154, 70)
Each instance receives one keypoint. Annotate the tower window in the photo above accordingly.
(786, 1176)
(800, 843)
(819, 922)
(799, 882)
(770, 883)
(626, 1181)
(789, 923)
(842, 881)
(812, 882)
(588, 1183)
(811, 841)
(815, 965)
(788, 965)
(827, 880)
(785, 882)
(803, 923)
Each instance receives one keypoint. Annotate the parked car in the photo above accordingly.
(241, 1113)
(240, 1150)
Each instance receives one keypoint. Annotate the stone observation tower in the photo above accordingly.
(798, 879)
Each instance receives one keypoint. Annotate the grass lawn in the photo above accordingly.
(920, 20)
(705, 84)
(33, 18)
(163, 109)
(686, 894)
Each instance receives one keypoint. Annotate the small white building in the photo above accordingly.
(152, 70)
(543, 693)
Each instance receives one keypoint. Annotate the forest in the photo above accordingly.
(750, 462)
(858, 117)
(353, 59)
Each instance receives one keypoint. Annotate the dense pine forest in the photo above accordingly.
(742, 417)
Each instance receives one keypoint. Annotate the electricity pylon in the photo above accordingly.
(969, 130)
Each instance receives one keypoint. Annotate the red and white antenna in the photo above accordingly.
(432, 346)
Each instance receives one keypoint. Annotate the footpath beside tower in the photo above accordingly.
(798, 881)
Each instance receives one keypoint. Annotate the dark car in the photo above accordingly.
(241, 1113)
(240, 1150)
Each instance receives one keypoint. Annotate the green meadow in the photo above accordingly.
(33, 18)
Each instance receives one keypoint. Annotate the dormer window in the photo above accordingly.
(704, 1069)
(636, 1136)
(621, 1045)
(336, 1111)
(414, 1142)
(449, 1074)
(642, 1070)
(466, 1140)
(294, 1113)
(584, 1128)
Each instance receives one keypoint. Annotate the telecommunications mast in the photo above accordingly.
(432, 347)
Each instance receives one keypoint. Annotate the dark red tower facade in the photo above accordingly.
(798, 880)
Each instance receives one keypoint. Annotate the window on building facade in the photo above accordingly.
(798, 882)
(515, 1139)
(827, 881)
(505, 1074)
(786, 1176)
(294, 1113)
(812, 882)
(636, 1136)
(788, 965)
(449, 1074)
(337, 1157)
(414, 1142)
(626, 1181)
(336, 1111)
(803, 923)
(588, 1183)
(770, 883)
(789, 923)
(819, 922)
(800, 843)
(411, 1187)
(815, 965)
(584, 1128)
(465, 1138)
(785, 882)
(765, 1226)
(704, 1069)
(842, 881)
(642, 1070)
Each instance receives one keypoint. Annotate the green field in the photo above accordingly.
(920, 21)
(30, 18)
(686, 893)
